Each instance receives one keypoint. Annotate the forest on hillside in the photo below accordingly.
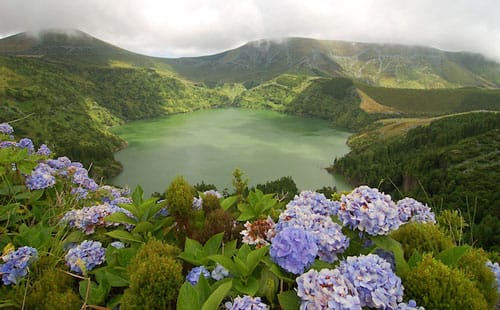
(454, 163)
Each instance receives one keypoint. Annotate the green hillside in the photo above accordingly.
(384, 65)
(428, 102)
(452, 163)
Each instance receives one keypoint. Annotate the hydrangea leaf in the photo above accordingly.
(217, 296)
(289, 300)
(451, 256)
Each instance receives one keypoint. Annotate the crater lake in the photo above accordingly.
(207, 145)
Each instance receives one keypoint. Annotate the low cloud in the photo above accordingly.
(193, 28)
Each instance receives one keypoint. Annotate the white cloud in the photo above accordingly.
(200, 27)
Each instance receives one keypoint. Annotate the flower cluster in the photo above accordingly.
(377, 285)
(6, 129)
(294, 249)
(26, 143)
(316, 202)
(85, 256)
(16, 264)
(495, 268)
(42, 177)
(326, 289)
(370, 211)
(410, 305)
(88, 218)
(415, 211)
(246, 303)
(198, 202)
(311, 212)
(194, 274)
(259, 233)
(218, 273)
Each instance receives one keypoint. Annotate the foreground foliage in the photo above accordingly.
(69, 241)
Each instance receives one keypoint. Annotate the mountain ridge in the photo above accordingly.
(386, 65)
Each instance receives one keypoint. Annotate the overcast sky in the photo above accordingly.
(175, 28)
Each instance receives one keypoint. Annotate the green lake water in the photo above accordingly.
(208, 145)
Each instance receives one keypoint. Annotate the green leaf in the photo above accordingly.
(254, 257)
(249, 287)
(227, 263)
(229, 202)
(289, 300)
(451, 256)
(414, 259)
(217, 296)
(137, 196)
(143, 227)
(213, 244)
(188, 298)
(123, 235)
(120, 217)
(391, 245)
(97, 293)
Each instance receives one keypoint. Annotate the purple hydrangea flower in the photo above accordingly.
(377, 285)
(81, 177)
(294, 249)
(495, 268)
(41, 177)
(194, 275)
(316, 202)
(6, 129)
(370, 211)
(88, 218)
(411, 305)
(44, 150)
(117, 244)
(328, 234)
(59, 163)
(326, 289)
(246, 303)
(87, 254)
(16, 264)
(219, 272)
(415, 211)
(26, 143)
(7, 144)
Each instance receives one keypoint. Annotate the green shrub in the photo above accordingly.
(473, 265)
(423, 238)
(53, 290)
(434, 285)
(179, 197)
(155, 278)
(453, 224)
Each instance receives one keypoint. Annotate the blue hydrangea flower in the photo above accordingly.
(16, 264)
(194, 274)
(88, 254)
(293, 249)
(326, 289)
(377, 285)
(59, 163)
(44, 150)
(219, 272)
(81, 177)
(316, 202)
(7, 144)
(26, 143)
(495, 268)
(6, 129)
(41, 177)
(415, 211)
(370, 211)
(246, 303)
(411, 305)
(117, 244)
(88, 218)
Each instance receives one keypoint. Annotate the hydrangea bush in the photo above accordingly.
(312, 253)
